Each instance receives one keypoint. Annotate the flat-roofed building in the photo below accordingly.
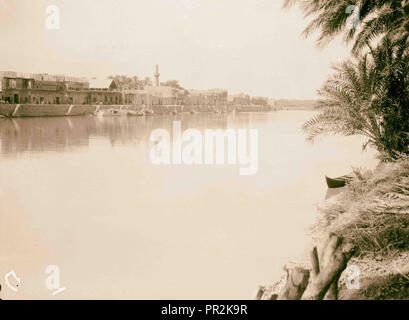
(160, 91)
(20, 87)
(207, 97)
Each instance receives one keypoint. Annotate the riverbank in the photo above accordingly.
(373, 213)
(300, 108)
(54, 110)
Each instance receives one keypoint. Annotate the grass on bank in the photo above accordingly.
(373, 213)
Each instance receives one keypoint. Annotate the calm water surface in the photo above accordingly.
(81, 193)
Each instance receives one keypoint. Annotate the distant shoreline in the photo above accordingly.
(301, 108)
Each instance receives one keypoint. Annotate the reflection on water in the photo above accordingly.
(66, 133)
(63, 133)
(80, 193)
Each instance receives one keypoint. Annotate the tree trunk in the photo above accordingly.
(297, 281)
(334, 258)
(259, 293)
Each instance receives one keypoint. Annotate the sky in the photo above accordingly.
(251, 46)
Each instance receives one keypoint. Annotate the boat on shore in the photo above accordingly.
(339, 182)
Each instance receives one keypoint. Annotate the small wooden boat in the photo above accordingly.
(338, 182)
(140, 113)
(110, 112)
(149, 112)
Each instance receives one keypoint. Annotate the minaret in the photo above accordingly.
(157, 76)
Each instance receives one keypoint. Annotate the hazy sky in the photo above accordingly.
(242, 45)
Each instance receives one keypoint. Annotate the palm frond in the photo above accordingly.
(369, 96)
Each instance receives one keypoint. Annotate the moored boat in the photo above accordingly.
(338, 182)
(111, 112)
(149, 111)
(140, 113)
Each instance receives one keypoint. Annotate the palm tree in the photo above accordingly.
(368, 95)
(147, 81)
(378, 18)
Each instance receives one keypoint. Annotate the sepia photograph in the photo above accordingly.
(204, 150)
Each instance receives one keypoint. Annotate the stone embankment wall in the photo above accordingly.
(52, 110)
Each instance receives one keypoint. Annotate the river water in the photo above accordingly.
(81, 193)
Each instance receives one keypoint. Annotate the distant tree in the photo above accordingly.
(173, 83)
(125, 82)
(147, 81)
(261, 101)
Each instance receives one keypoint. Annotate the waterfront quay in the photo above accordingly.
(53, 110)
(31, 95)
